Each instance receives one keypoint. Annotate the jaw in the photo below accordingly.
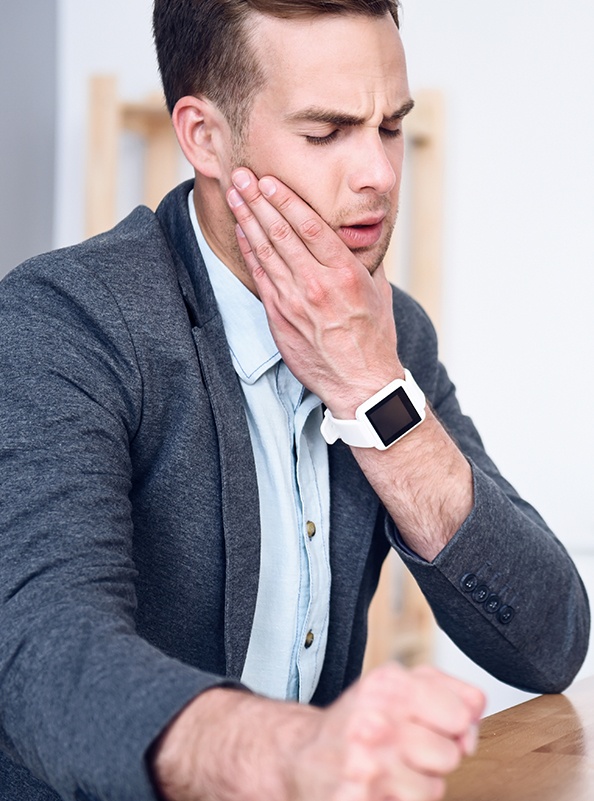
(218, 226)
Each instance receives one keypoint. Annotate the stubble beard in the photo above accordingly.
(373, 257)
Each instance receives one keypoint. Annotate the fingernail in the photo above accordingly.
(239, 230)
(267, 187)
(241, 179)
(234, 198)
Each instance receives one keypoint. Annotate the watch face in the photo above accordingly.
(393, 416)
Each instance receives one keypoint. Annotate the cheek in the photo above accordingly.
(304, 176)
(310, 172)
(395, 193)
(267, 152)
(317, 179)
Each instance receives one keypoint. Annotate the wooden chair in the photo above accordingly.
(109, 118)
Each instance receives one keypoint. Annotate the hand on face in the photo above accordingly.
(330, 316)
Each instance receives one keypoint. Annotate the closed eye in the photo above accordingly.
(322, 140)
(387, 133)
(391, 133)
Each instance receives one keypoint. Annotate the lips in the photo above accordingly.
(363, 233)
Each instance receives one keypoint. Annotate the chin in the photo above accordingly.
(372, 259)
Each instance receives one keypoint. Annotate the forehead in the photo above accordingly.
(351, 62)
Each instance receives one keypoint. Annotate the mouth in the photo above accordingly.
(362, 233)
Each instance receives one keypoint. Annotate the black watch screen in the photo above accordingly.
(393, 416)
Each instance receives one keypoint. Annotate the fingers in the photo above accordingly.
(366, 779)
(375, 772)
(263, 231)
(273, 253)
(471, 697)
(429, 753)
(381, 740)
(417, 724)
(439, 713)
(412, 769)
(426, 696)
(283, 231)
(257, 271)
(419, 748)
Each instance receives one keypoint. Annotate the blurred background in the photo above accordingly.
(516, 242)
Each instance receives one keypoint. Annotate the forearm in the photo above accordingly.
(505, 547)
(230, 746)
(425, 483)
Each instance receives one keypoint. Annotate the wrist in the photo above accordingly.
(425, 484)
(382, 419)
(184, 760)
(344, 404)
(231, 746)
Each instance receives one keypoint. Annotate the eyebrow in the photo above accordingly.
(340, 119)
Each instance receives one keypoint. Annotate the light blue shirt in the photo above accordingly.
(289, 634)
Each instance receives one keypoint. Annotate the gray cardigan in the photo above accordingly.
(129, 519)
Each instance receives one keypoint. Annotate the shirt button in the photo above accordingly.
(311, 529)
(309, 639)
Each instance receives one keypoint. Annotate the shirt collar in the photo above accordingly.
(253, 349)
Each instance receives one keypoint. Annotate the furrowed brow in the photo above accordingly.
(315, 114)
(339, 118)
(405, 109)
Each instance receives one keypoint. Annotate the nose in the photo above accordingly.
(372, 169)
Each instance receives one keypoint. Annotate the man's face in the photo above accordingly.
(328, 121)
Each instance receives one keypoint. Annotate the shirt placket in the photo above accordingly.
(312, 620)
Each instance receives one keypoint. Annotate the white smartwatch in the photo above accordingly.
(381, 420)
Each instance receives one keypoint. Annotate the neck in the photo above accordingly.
(218, 227)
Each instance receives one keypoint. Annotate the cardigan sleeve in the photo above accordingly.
(504, 588)
(82, 696)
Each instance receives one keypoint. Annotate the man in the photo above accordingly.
(175, 527)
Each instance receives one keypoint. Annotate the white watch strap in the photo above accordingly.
(355, 432)
(414, 391)
(349, 431)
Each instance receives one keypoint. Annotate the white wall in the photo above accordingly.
(110, 37)
(27, 129)
(519, 244)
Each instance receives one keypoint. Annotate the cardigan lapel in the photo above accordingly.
(239, 488)
(240, 503)
(354, 509)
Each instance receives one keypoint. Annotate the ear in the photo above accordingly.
(203, 134)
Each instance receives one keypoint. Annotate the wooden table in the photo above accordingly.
(541, 750)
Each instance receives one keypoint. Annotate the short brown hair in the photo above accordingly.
(204, 47)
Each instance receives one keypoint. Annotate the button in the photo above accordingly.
(492, 603)
(505, 614)
(309, 639)
(311, 529)
(469, 582)
(481, 594)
